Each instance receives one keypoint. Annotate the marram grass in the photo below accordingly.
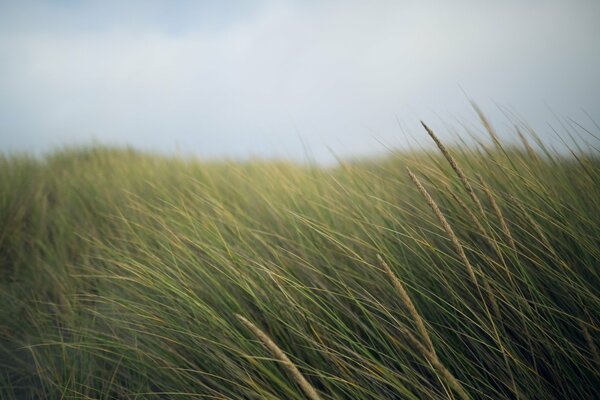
(126, 275)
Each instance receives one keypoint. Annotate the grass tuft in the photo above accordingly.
(125, 275)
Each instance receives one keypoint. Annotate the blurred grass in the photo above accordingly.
(121, 275)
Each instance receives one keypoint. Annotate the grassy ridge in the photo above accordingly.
(124, 275)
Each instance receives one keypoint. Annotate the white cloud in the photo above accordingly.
(244, 84)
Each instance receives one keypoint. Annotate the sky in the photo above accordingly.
(288, 79)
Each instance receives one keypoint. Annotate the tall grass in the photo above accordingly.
(125, 275)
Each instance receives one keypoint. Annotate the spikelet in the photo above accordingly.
(461, 175)
(408, 304)
(498, 212)
(437, 364)
(530, 152)
(472, 216)
(438, 213)
(308, 389)
(486, 124)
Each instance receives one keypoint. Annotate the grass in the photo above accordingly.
(473, 276)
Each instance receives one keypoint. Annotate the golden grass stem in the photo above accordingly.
(408, 304)
(437, 364)
(427, 350)
(459, 249)
(498, 212)
(530, 152)
(471, 216)
(308, 389)
(487, 125)
(438, 213)
(459, 172)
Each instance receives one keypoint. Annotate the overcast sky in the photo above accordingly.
(272, 78)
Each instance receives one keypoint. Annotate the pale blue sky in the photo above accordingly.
(268, 78)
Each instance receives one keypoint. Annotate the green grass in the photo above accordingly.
(127, 275)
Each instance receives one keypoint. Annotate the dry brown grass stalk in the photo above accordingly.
(308, 389)
(408, 304)
(492, 298)
(437, 364)
(459, 172)
(438, 213)
(498, 212)
(471, 216)
(487, 125)
(530, 152)
(488, 239)
(459, 249)
(426, 349)
(538, 230)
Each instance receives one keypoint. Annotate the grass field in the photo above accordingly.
(466, 272)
